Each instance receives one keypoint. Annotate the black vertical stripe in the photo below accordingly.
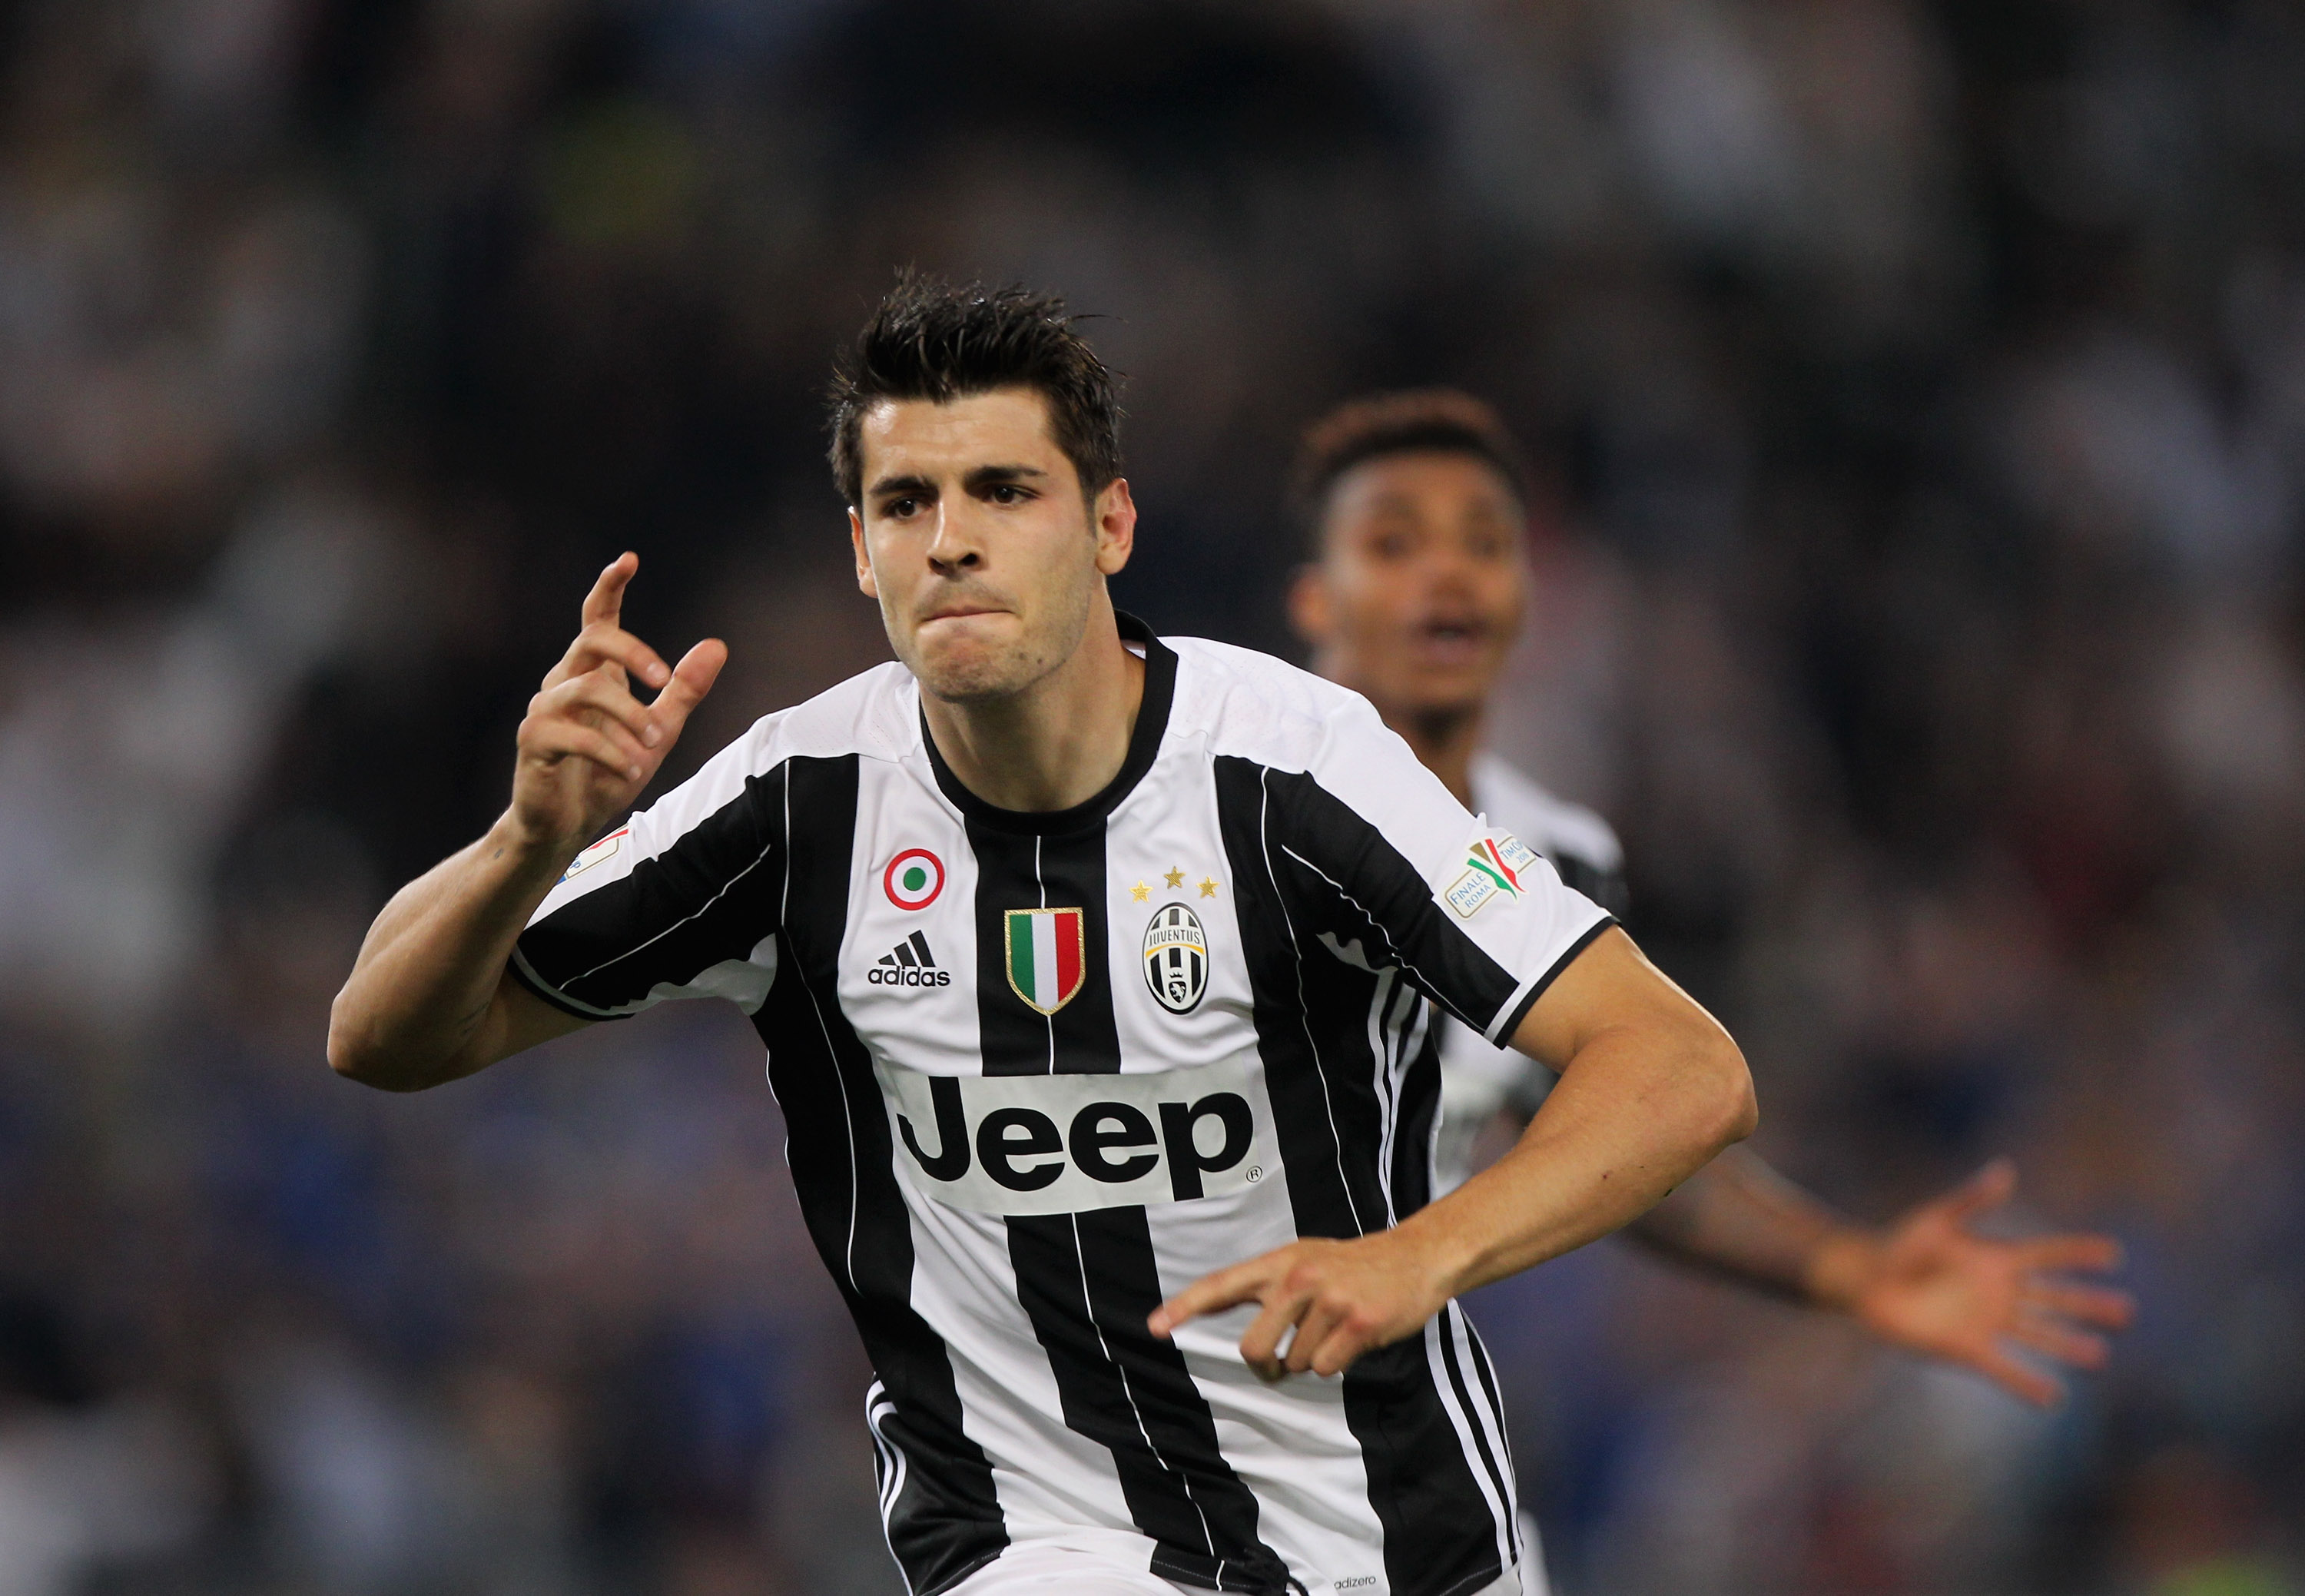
(946, 1521)
(1420, 1107)
(1087, 1282)
(1024, 870)
(1451, 1316)
(1311, 1014)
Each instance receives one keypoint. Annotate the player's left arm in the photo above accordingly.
(1928, 1282)
(1651, 1088)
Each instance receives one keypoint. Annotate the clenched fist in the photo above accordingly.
(589, 746)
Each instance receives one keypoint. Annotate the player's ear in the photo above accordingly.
(1311, 610)
(1115, 512)
(864, 583)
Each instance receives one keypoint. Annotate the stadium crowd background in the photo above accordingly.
(1924, 387)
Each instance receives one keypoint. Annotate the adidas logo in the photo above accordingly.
(908, 964)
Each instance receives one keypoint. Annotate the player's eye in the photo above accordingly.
(898, 509)
(1007, 494)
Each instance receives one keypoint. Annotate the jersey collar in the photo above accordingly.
(1144, 747)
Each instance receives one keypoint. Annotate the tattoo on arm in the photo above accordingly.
(471, 1024)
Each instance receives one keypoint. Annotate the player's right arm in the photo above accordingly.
(431, 997)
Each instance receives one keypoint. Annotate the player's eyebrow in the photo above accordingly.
(993, 476)
(915, 485)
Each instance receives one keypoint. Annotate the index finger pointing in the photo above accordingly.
(1211, 1294)
(605, 602)
(692, 678)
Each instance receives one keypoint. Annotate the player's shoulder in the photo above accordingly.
(1252, 703)
(1551, 825)
(875, 714)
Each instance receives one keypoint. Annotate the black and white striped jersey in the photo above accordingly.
(1041, 1071)
(1479, 1079)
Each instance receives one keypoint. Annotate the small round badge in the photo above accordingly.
(913, 878)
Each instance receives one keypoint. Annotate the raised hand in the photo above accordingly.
(1931, 1284)
(589, 746)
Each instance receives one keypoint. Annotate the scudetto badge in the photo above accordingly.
(1175, 959)
(1048, 956)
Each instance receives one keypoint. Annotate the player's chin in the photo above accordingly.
(1450, 690)
(962, 672)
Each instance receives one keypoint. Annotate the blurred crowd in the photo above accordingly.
(1921, 395)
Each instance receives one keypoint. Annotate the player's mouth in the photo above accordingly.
(961, 612)
(1450, 642)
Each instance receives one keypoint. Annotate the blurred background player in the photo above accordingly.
(1417, 508)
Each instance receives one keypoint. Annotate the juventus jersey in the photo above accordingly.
(1479, 1079)
(1041, 1071)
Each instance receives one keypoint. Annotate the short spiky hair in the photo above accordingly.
(931, 339)
(1397, 424)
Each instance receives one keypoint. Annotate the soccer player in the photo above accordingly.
(1415, 506)
(1093, 970)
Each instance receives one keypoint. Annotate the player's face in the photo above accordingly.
(975, 536)
(1418, 592)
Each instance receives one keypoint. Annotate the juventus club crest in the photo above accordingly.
(1046, 956)
(1175, 959)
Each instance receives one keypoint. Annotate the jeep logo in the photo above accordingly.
(1061, 1144)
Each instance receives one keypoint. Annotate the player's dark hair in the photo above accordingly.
(931, 339)
(1414, 422)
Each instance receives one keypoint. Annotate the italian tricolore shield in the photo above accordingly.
(1046, 956)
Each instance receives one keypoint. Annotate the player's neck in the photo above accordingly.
(1444, 742)
(1059, 742)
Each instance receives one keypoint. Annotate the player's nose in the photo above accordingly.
(954, 546)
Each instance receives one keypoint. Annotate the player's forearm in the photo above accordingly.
(1738, 1218)
(1637, 1111)
(421, 1005)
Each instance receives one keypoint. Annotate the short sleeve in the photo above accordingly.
(1469, 913)
(678, 901)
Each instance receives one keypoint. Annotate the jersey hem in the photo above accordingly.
(970, 1572)
(519, 968)
(1477, 1581)
(1507, 1020)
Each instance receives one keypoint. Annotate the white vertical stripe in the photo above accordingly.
(1040, 978)
(1290, 1443)
(1387, 1097)
(878, 1408)
(1048, 1477)
(1045, 988)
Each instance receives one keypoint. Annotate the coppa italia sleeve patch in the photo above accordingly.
(599, 850)
(1493, 865)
